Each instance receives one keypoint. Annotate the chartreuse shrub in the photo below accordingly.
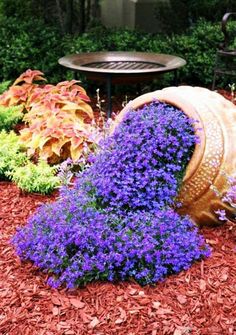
(38, 178)
(12, 153)
(116, 222)
(16, 166)
(10, 116)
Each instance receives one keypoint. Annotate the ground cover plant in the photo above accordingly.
(116, 223)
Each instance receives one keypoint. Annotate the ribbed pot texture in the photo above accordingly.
(215, 154)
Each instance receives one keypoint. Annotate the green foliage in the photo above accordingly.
(15, 165)
(34, 44)
(4, 86)
(184, 13)
(14, 8)
(101, 39)
(211, 10)
(10, 116)
(29, 44)
(12, 155)
(38, 178)
(198, 47)
(177, 10)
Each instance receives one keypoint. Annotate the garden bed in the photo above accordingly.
(197, 301)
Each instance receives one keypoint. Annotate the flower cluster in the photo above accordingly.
(228, 197)
(141, 166)
(80, 244)
(116, 221)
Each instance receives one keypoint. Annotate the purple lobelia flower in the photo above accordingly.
(116, 222)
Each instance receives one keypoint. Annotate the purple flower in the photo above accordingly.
(116, 222)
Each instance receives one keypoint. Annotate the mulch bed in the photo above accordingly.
(200, 301)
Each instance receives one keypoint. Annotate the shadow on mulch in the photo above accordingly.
(200, 301)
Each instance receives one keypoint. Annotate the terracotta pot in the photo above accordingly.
(215, 153)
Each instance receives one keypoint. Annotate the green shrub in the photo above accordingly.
(38, 178)
(4, 86)
(10, 116)
(15, 166)
(198, 47)
(11, 153)
(29, 44)
(33, 44)
(210, 10)
(184, 13)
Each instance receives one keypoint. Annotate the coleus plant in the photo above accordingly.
(58, 117)
(21, 89)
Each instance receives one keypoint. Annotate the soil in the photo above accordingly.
(199, 301)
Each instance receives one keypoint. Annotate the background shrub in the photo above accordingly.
(34, 44)
(198, 47)
(29, 44)
(184, 13)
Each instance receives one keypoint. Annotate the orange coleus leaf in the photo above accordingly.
(56, 146)
(72, 90)
(76, 152)
(25, 135)
(67, 84)
(35, 96)
(36, 126)
(55, 115)
(53, 123)
(46, 151)
(53, 133)
(15, 95)
(29, 76)
(43, 141)
(82, 107)
(39, 113)
(76, 141)
(69, 131)
(84, 97)
(77, 93)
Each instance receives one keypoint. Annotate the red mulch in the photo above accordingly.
(200, 301)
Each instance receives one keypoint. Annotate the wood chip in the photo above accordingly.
(77, 303)
(94, 323)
